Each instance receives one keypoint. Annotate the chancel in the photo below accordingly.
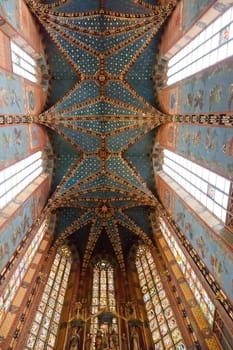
(116, 168)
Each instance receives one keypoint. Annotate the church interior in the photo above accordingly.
(116, 169)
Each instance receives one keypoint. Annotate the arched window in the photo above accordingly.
(19, 175)
(210, 189)
(45, 325)
(18, 275)
(103, 298)
(195, 285)
(162, 322)
(213, 44)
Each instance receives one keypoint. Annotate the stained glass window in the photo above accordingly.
(17, 176)
(197, 288)
(45, 325)
(213, 44)
(103, 297)
(23, 64)
(16, 279)
(162, 322)
(210, 189)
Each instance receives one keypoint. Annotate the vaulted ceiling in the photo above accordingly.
(102, 119)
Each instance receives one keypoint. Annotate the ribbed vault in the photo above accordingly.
(107, 116)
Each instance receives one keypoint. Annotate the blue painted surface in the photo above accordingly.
(12, 234)
(89, 166)
(11, 94)
(10, 10)
(14, 144)
(192, 10)
(215, 254)
(211, 147)
(209, 91)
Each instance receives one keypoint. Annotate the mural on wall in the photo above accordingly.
(211, 147)
(214, 253)
(192, 10)
(11, 94)
(11, 11)
(18, 141)
(208, 91)
(14, 144)
(12, 234)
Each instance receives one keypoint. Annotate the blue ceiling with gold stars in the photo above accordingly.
(102, 119)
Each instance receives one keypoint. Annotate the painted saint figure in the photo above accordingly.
(134, 341)
(75, 341)
(99, 341)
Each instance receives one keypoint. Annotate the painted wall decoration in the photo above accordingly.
(208, 91)
(11, 11)
(14, 144)
(173, 30)
(192, 10)
(214, 253)
(11, 94)
(167, 135)
(18, 141)
(12, 233)
(211, 147)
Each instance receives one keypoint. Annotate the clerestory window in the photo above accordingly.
(162, 322)
(19, 175)
(23, 64)
(213, 44)
(195, 285)
(211, 189)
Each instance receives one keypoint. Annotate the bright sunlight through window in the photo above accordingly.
(213, 44)
(207, 187)
(23, 64)
(16, 177)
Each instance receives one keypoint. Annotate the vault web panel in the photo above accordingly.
(88, 143)
(79, 6)
(100, 126)
(104, 194)
(99, 23)
(113, 40)
(118, 91)
(89, 166)
(83, 92)
(92, 41)
(102, 109)
(87, 62)
(68, 215)
(115, 143)
(116, 63)
(117, 165)
(125, 6)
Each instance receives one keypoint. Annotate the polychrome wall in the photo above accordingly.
(211, 248)
(19, 141)
(209, 146)
(17, 225)
(208, 91)
(19, 96)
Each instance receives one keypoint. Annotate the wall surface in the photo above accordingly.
(208, 91)
(19, 96)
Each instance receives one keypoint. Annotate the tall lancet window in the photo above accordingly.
(45, 325)
(103, 299)
(195, 285)
(13, 284)
(163, 325)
